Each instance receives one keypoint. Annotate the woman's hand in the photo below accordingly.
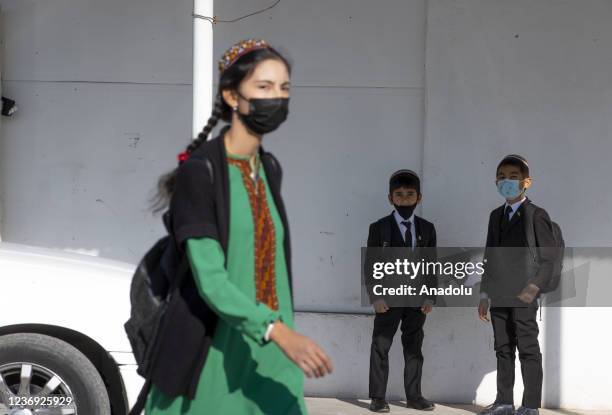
(301, 350)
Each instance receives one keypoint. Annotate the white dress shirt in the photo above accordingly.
(402, 227)
(514, 206)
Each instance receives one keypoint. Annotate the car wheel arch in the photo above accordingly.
(97, 355)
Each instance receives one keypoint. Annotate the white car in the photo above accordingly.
(63, 349)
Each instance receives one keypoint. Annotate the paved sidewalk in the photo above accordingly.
(332, 406)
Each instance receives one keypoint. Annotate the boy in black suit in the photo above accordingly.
(511, 282)
(400, 229)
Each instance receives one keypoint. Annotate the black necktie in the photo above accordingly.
(507, 214)
(408, 234)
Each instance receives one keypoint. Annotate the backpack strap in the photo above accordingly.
(529, 210)
(141, 401)
(181, 271)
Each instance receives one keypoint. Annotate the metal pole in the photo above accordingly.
(1, 179)
(202, 65)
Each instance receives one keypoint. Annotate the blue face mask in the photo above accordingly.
(509, 189)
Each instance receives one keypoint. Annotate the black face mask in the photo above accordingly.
(405, 211)
(265, 114)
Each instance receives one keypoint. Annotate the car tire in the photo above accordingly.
(52, 356)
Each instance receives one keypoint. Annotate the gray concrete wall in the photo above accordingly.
(530, 78)
(356, 116)
(500, 77)
(105, 105)
(443, 87)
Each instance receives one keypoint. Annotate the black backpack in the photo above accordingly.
(553, 283)
(154, 284)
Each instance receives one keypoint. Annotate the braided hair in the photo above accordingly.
(230, 80)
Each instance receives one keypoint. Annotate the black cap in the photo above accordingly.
(517, 160)
(404, 177)
(516, 157)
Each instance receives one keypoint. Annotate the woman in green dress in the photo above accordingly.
(256, 361)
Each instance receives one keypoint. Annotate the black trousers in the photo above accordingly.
(385, 326)
(517, 327)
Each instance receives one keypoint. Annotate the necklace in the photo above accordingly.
(254, 163)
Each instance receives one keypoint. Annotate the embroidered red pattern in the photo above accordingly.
(265, 236)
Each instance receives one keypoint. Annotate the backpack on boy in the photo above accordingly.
(553, 282)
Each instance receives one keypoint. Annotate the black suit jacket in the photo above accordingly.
(425, 232)
(385, 232)
(538, 271)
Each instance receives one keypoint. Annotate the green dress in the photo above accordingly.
(243, 374)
